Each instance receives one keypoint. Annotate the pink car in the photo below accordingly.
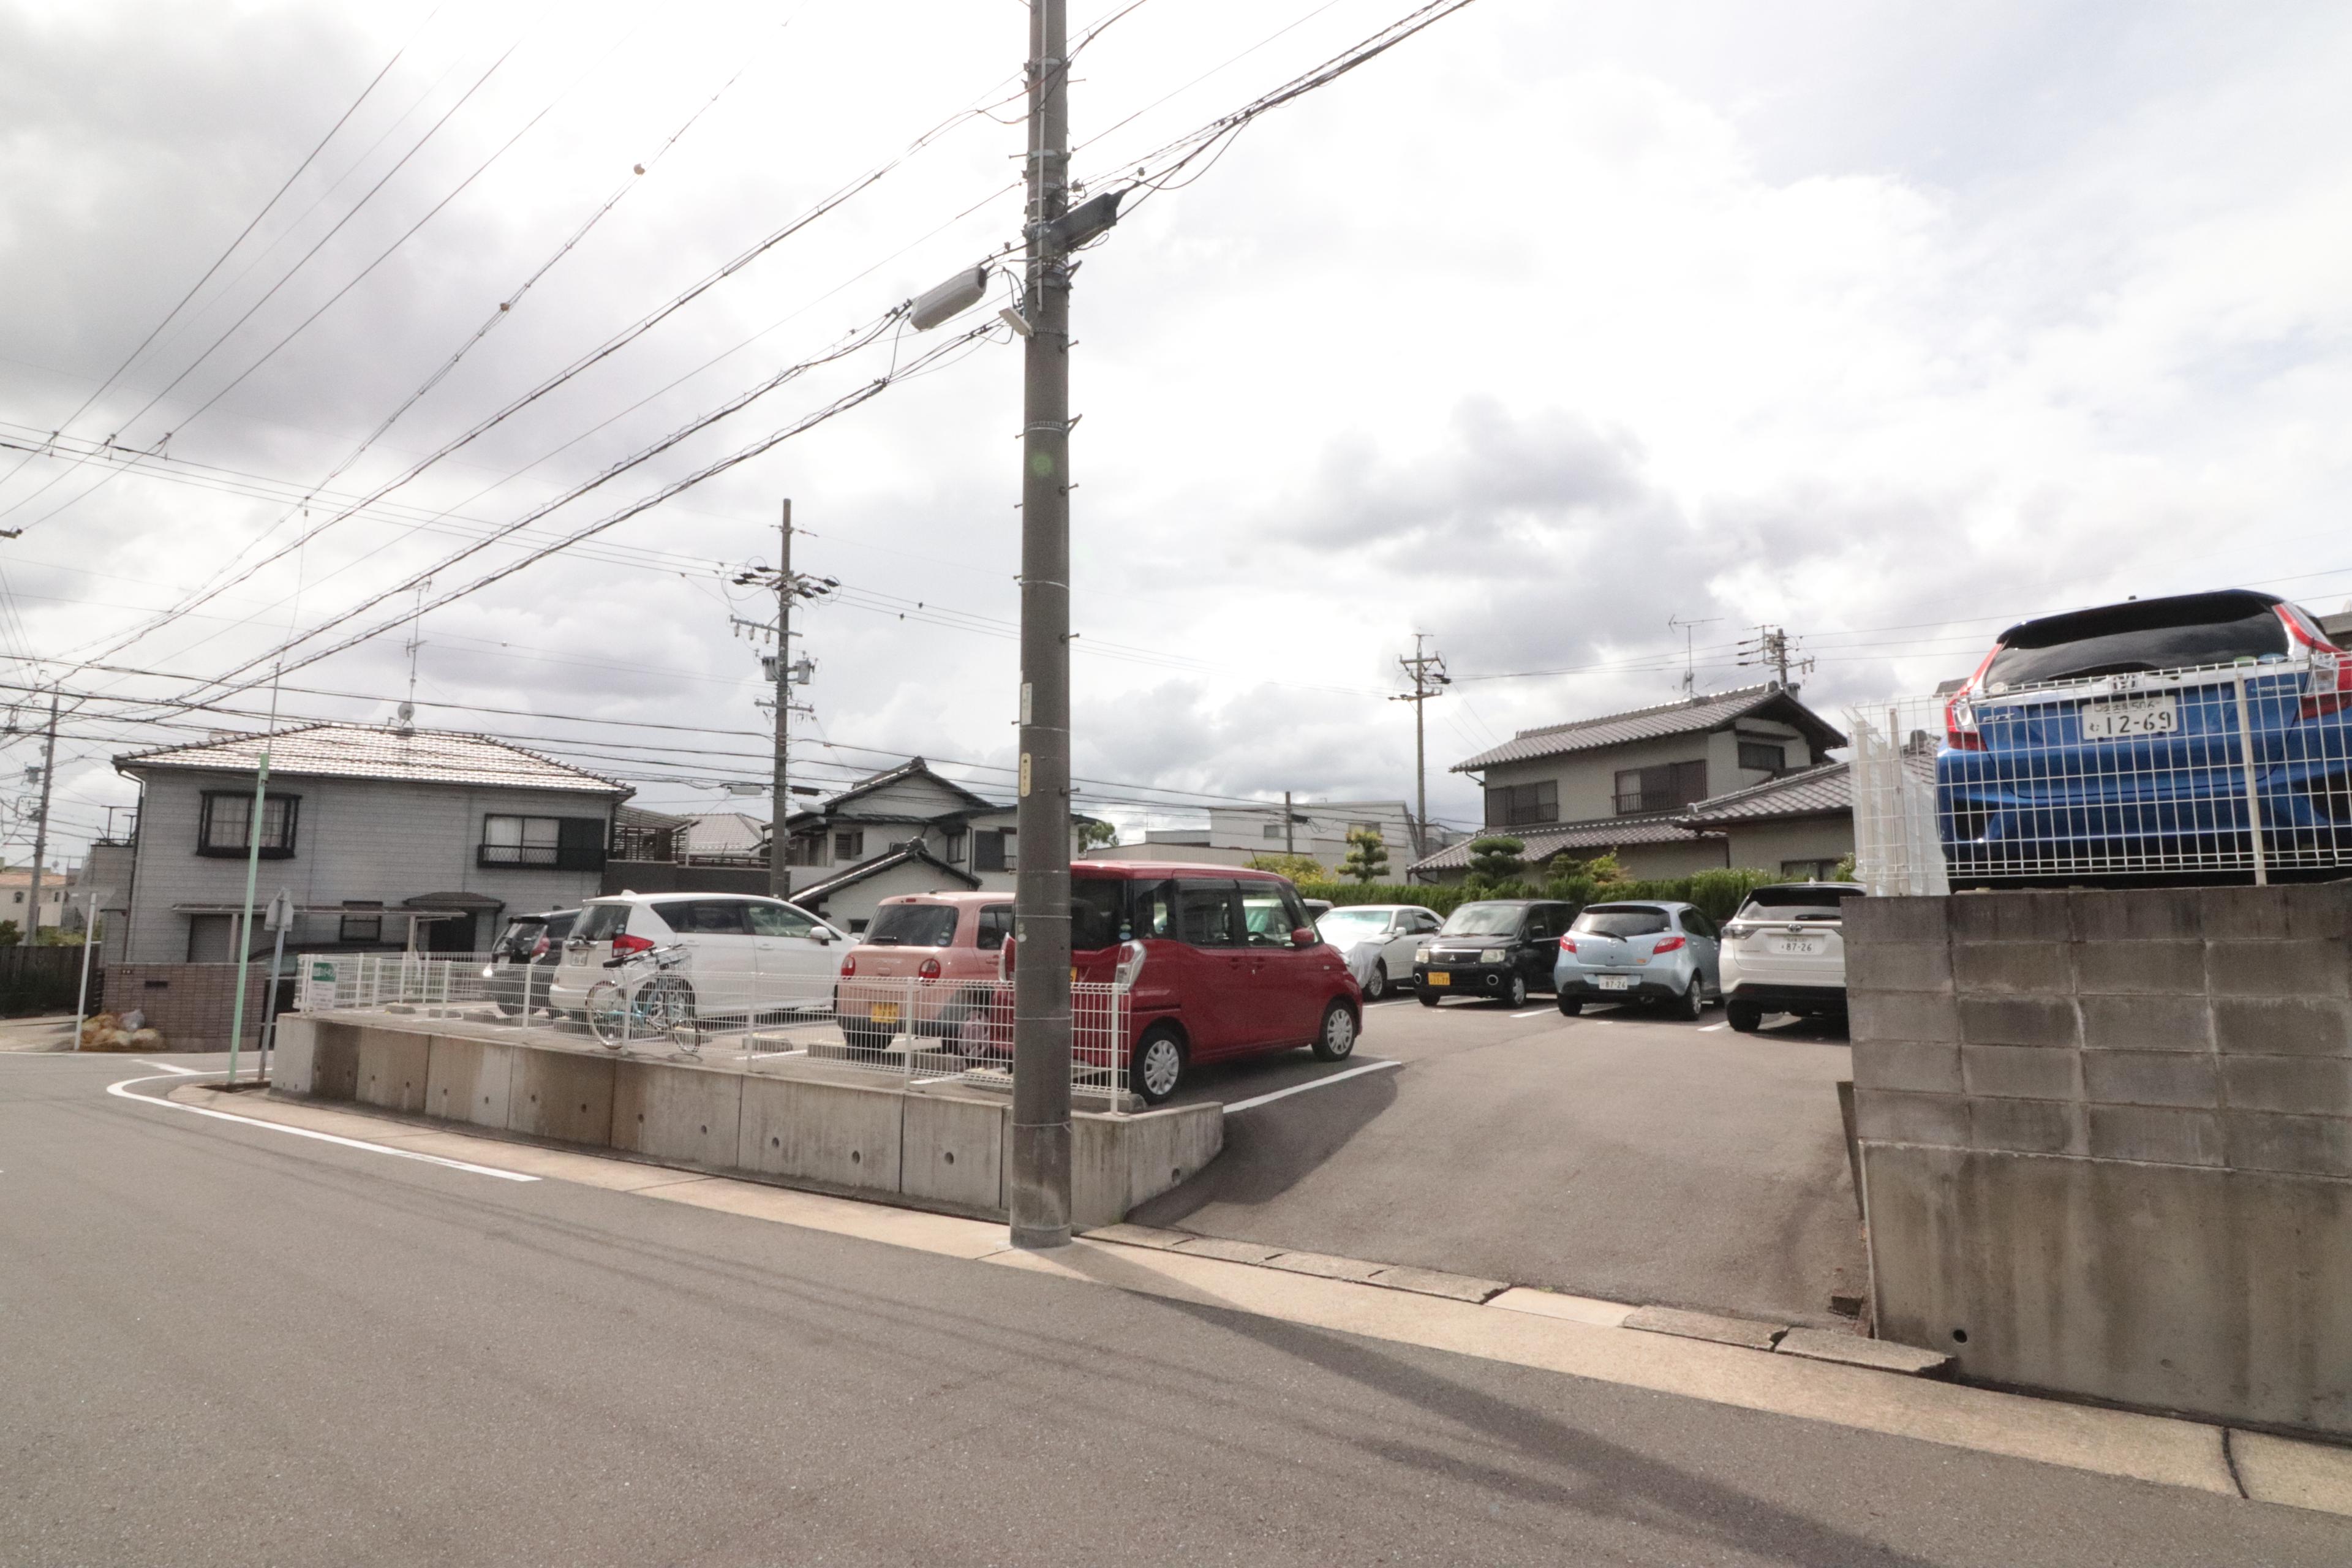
(941, 941)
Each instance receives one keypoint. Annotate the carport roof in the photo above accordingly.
(1692, 715)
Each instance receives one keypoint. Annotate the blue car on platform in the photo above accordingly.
(2203, 736)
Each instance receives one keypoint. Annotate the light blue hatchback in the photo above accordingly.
(1640, 952)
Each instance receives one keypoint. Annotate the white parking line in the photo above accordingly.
(1535, 1013)
(1710, 1029)
(167, 1067)
(1302, 1087)
(121, 1091)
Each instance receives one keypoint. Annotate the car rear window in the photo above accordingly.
(913, 925)
(1621, 920)
(1485, 920)
(704, 916)
(2154, 634)
(1796, 903)
(1098, 913)
(559, 926)
(602, 922)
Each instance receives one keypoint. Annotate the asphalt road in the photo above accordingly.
(1618, 1155)
(224, 1346)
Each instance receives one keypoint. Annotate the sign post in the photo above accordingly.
(280, 916)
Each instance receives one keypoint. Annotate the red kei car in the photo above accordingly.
(1214, 962)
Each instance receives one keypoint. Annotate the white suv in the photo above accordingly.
(1784, 952)
(741, 954)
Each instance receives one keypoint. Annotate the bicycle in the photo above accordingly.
(656, 1002)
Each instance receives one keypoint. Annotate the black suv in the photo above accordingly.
(1501, 948)
(523, 959)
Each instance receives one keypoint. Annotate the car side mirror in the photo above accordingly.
(1303, 937)
(824, 935)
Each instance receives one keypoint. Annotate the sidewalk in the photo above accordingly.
(49, 1032)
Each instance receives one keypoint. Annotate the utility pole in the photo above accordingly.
(1288, 846)
(1039, 1187)
(785, 673)
(1772, 647)
(1429, 677)
(32, 931)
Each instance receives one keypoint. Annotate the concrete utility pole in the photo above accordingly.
(1039, 1187)
(1288, 846)
(780, 806)
(1429, 677)
(32, 931)
(1772, 647)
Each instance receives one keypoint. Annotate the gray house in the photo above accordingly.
(385, 837)
(1627, 783)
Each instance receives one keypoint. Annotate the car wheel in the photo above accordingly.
(1515, 994)
(1569, 1007)
(1376, 984)
(1158, 1065)
(1429, 998)
(1745, 1017)
(1336, 1041)
(1693, 1002)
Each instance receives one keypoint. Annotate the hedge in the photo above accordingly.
(1718, 893)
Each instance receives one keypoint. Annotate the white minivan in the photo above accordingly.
(740, 955)
(1784, 952)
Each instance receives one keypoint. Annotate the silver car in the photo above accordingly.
(1378, 941)
(1639, 951)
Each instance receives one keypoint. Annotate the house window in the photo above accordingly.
(804, 849)
(1757, 757)
(1274, 830)
(849, 846)
(1515, 805)
(955, 848)
(361, 922)
(994, 850)
(1661, 788)
(221, 829)
(560, 843)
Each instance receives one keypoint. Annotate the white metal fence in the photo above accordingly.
(2232, 770)
(911, 1028)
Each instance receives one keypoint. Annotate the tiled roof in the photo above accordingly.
(1692, 715)
(370, 752)
(913, 853)
(1594, 836)
(1811, 791)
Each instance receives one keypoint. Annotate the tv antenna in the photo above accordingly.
(1690, 649)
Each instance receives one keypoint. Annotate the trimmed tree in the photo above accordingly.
(1368, 855)
(1496, 863)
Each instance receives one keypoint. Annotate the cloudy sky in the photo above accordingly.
(1887, 324)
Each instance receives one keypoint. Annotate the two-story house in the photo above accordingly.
(384, 837)
(904, 830)
(1627, 783)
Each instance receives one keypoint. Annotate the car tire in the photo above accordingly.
(1157, 1068)
(1515, 994)
(1743, 1017)
(1691, 1006)
(1569, 1007)
(1376, 984)
(1336, 1040)
(1429, 998)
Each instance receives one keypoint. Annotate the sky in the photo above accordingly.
(1573, 336)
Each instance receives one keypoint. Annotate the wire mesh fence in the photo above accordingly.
(919, 1031)
(2222, 770)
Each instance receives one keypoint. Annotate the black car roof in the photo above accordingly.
(2138, 615)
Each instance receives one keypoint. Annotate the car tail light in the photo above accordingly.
(1669, 946)
(624, 944)
(1568, 944)
(1960, 732)
(539, 948)
(2328, 687)
(929, 969)
(1130, 963)
(848, 964)
(1004, 959)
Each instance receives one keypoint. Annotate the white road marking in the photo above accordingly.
(1710, 1029)
(1253, 1104)
(121, 1091)
(167, 1067)
(1535, 1012)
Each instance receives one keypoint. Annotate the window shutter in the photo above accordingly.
(580, 843)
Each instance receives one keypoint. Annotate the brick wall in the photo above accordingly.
(2197, 1026)
(190, 1003)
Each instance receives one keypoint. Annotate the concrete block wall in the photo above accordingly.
(190, 1003)
(2106, 1135)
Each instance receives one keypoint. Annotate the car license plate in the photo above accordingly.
(1802, 946)
(1614, 981)
(1439, 977)
(2125, 717)
(884, 1013)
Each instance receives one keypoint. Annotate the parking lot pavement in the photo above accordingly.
(1616, 1154)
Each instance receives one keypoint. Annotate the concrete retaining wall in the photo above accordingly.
(2106, 1141)
(932, 1150)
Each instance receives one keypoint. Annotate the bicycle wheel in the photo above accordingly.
(669, 1007)
(608, 1014)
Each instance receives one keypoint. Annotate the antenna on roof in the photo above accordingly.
(1690, 649)
(408, 708)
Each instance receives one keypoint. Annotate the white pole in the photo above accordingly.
(2253, 792)
(88, 935)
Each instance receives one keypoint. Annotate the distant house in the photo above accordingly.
(385, 837)
(60, 906)
(1318, 829)
(904, 830)
(1639, 785)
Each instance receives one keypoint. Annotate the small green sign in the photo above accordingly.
(324, 974)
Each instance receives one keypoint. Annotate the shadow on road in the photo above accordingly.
(1264, 1155)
